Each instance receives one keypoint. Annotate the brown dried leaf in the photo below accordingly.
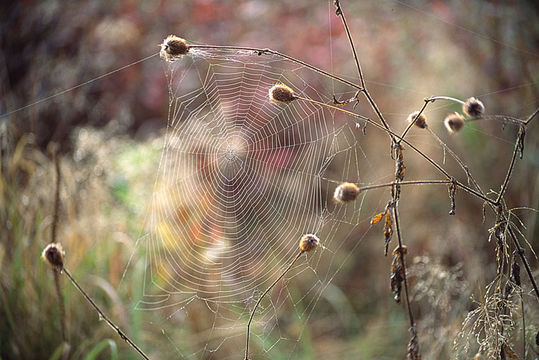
(376, 218)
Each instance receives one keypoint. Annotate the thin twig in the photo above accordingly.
(434, 98)
(520, 251)
(436, 165)
(260, 299)
(54, 232)
(399, 238)
(264, 51)
(523, 322)
(104, 317)
(339, 12)
(511, 167)
(427, 101)
(410, 182)
(530, 118)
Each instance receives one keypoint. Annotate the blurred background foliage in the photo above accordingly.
(108, 134)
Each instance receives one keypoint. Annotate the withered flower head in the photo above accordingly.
(308, 242)
(454, 122)
(473, 107)
(54, 254)
(281, 94)
(346, 192)
(173, 47)
(421, 121)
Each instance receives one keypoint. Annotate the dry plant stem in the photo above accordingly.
(442, 170)
(260, 299)
(261, 51)
(434, 98)
(512, 164)
(103, 316)
(509, 171)
(56, 212)
(530, 118)
(399, 238)
(520, 251)
(523, 323)
(498, 200)
(498, 203)
(411, 182)
(54, 232)
(340, 13)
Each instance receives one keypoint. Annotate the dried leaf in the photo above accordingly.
(388, 230)
(521, 136)
(376, 218)
(397, 276)
(452, 189)
(413, 346)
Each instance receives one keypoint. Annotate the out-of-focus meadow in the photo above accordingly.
(108, 135)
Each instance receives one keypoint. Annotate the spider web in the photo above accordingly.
(240, 180)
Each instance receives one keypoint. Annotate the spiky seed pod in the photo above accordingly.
(454, 122)
(308, 242)
(421, 121)
(473, 107)
(346, 192)
(54, 254)
(281, 94)
(173, 47)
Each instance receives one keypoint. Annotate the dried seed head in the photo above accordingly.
(473, 107)
(421, 121)
(346, 192)
(308, 242)
(53, 254)
(281, 94)
(173, 48)
(454, 122)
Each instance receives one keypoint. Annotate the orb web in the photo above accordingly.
(240, 180)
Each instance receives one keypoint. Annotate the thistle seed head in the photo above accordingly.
(281, 94)
(454, 122)
(173, 47)
(421, 121)
(346, 192)
(54, 254)
(308, 242)
(473, 107)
